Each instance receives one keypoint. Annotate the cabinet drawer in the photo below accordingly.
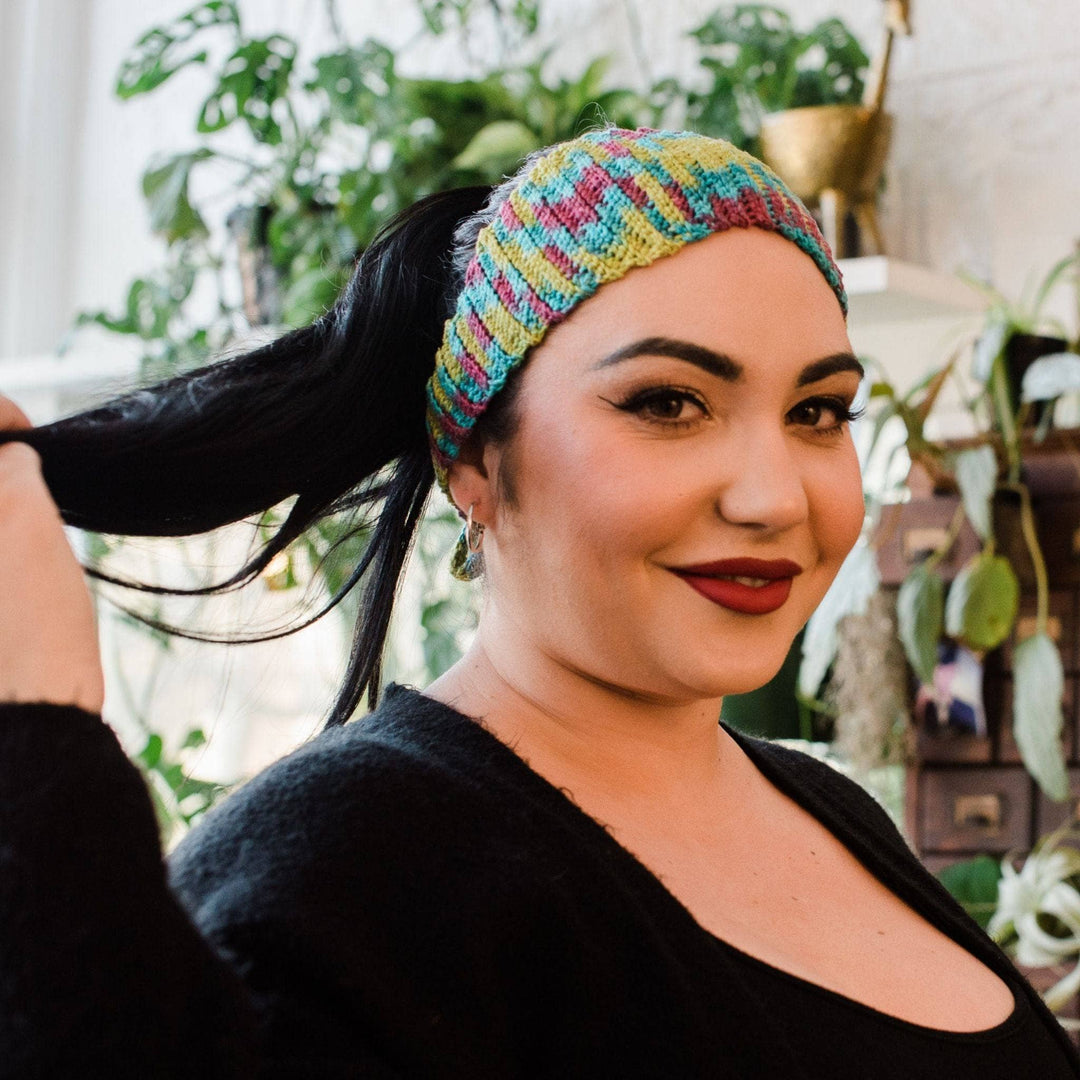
(998, 698)
(1061, 626)
(976, 809)
(1049, 814)
(908, 532)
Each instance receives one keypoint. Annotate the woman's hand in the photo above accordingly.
(48, 634)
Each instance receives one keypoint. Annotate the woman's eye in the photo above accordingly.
(823, 414)
(667, 406)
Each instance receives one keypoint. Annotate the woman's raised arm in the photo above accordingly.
(102, 973)
(48, 635)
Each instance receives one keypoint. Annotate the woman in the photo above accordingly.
(553, 861)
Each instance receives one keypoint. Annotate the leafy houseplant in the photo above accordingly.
(1017, 333)
(979, 609)
(760, 63)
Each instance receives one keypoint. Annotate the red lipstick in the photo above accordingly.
(749, 586)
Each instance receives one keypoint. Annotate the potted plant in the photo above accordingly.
(1019, 332)
(833, 152)
(991, 474)
(760, 64)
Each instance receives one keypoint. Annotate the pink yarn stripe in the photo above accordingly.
(472, 368)
(465, 404)
(558, 258)
(479, 330)
(473, 272)
(574, 212)
(632, 189)
(615, 149)
(595, 180)
(675, 194)
(538, 304)
(509, 217)
(505, 293)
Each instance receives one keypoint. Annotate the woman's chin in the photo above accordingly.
(729, 681)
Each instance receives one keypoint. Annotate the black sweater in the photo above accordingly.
(403, 897)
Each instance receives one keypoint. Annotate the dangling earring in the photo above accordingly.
(467, 562)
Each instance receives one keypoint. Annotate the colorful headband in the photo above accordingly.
(584, 214)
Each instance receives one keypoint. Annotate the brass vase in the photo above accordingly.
(832, 157)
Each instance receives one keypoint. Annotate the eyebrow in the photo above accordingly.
(723, 366)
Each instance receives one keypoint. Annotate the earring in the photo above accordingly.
(467, 562)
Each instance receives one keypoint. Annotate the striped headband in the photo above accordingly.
(584, 214)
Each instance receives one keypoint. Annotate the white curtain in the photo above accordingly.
(43, 48)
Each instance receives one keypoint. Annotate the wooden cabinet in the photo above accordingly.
(968, 794)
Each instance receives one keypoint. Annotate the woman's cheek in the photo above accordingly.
(848, 508)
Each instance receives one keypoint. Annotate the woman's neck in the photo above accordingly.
(579, 732)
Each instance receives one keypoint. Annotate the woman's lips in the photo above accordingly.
(749, 586)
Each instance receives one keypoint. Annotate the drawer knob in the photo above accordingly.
(922, 541)
(980, 811)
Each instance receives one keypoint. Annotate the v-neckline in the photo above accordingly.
(786, 784)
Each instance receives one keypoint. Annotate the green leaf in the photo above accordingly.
(1051, 376)
(166, 190)
(355, 80)
(976, 473)
(1048, 283)
(1037, 719)
(155, 56)
(309, 295)
(849, 594)
(173, 774)
(500, 145)
(150, 754)
(195, 737)
(838, 78)
(989, 347)
(919, 608)
(983, 601)
(254, 79)
(974, 883)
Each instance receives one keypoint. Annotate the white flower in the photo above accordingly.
(1042, 887)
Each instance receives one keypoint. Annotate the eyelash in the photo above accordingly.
(637, 402)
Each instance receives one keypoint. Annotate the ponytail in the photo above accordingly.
(332, 413)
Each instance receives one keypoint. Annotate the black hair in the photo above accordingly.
(332, 413)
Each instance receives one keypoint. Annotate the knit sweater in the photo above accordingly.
(402, 897)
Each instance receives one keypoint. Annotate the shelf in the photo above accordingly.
(882, 289)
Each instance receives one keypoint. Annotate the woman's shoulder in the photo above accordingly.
(383, 791)
(820, 784)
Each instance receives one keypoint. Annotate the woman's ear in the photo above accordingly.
(470, 480)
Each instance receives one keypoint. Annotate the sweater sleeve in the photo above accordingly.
(102, 972)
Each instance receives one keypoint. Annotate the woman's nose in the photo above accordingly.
(764, 487)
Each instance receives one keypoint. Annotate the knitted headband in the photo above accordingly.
(584, 214)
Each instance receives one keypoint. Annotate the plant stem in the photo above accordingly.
(1031, 539)
(335, 23)
(999, 390)
(955, 526)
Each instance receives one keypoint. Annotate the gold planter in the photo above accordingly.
(832, 157)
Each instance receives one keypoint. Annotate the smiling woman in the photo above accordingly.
(555, 860)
